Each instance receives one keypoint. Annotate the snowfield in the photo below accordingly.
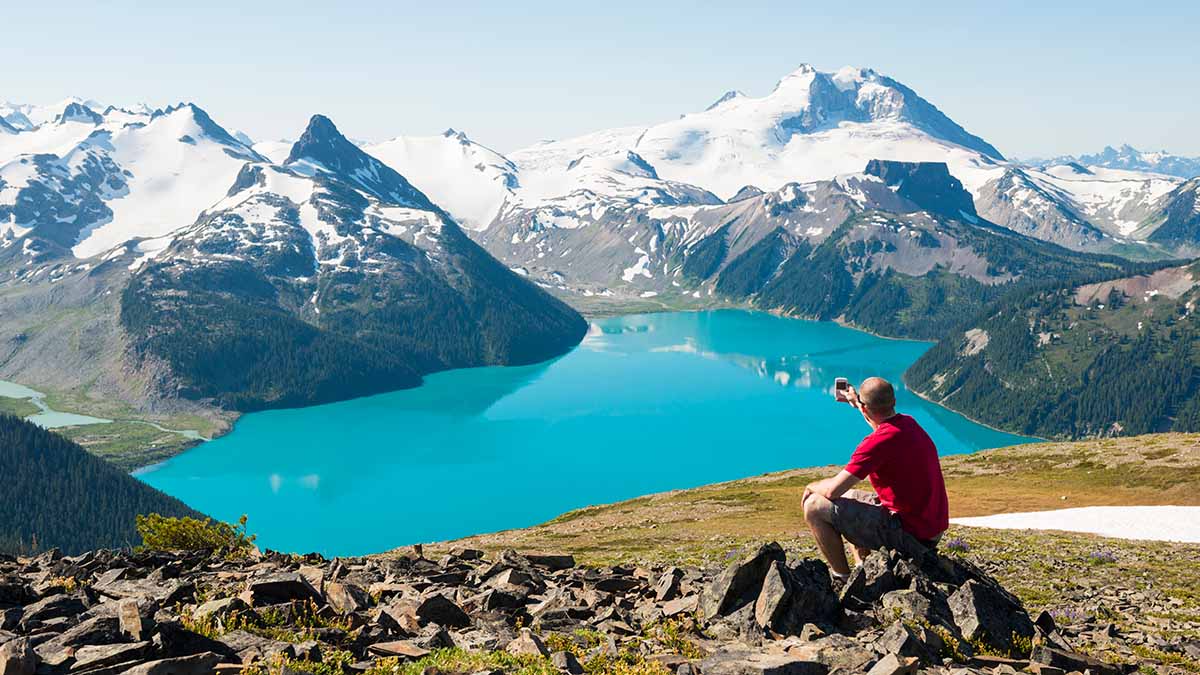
(1155, 523)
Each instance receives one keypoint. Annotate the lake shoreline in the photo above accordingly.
(670, 391)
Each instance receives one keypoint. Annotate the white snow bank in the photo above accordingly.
(1156, 523)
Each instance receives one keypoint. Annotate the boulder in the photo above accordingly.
(773, 599)
(441, 610)
(527, 644)
(164, 592)
(402, 648)
(983, 614)
(745, 662)
(220, 609)
(794, 596)
(566, 663)
(667, 586)
(740, 584)
(927, 606)
(18, 658)
(54, 607)
(910, 641)
(892, 664)
(195, 664)
(346, 598)
(1046, 655)
(278, 588)
(681, 605)
(97, 656)
(129, 619)
(869, 581)
(552, 562)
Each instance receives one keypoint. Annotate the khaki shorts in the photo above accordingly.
(866, 523)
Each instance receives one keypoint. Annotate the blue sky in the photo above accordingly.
(1032, 78)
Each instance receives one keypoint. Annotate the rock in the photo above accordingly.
(773, 598)
(1072, 662)
(793, 597)
(667, 586)
(681, 605)
(740, 584)
(929, 607)
(740, 662)
(567, 663)
(869, 581)
(346, 598)
(96, 656)
(441, 610)
(402, 648)
(903, 640)
(195, 664)
(892, 664)
(981, 613)
(841, 653)
(315, 576)
(493, 599)
(551, 562)
(527, 644)
(617, 584)
(220, 609)
(129, 619)
(54, 607)
(164, 592)
(18, 658)
(277, 589)
(811, 632)
(14, 591)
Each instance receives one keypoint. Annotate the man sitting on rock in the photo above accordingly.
(909, 510)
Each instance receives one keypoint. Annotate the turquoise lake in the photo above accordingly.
(646, 403)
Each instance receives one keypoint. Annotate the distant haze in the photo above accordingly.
(1034, 81)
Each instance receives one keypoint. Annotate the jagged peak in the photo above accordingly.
(78, 112)
(324, 147)
(727, 96)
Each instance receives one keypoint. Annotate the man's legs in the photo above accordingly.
(818, 513)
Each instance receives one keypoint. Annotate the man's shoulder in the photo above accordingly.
(896, 426)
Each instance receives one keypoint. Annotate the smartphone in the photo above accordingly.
(840, 386)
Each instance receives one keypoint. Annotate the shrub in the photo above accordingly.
(160, 533)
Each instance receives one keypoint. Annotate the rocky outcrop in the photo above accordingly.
(115, 612)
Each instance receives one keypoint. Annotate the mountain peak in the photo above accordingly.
(324, 147)
(929, 185)
(78, 112)
(727, 96)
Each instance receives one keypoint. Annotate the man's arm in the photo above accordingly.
(833, 487)
(856, 403)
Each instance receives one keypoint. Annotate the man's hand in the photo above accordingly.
(852, 397)
(831, 488)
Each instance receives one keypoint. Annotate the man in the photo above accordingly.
(909, 511)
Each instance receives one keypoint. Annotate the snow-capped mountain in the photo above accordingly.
(1130, 158)
(467, 179)
(1072, 205)
(911, 227)
(26, 116)
(1174, 219)
(813, 126)
(99, 180)
(323, 277)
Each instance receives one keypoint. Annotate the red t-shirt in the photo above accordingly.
(901, 462)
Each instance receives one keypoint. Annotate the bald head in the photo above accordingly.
(877, 395)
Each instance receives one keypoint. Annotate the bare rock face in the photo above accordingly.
(740, 583)
(166, 614)
(983, 613)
